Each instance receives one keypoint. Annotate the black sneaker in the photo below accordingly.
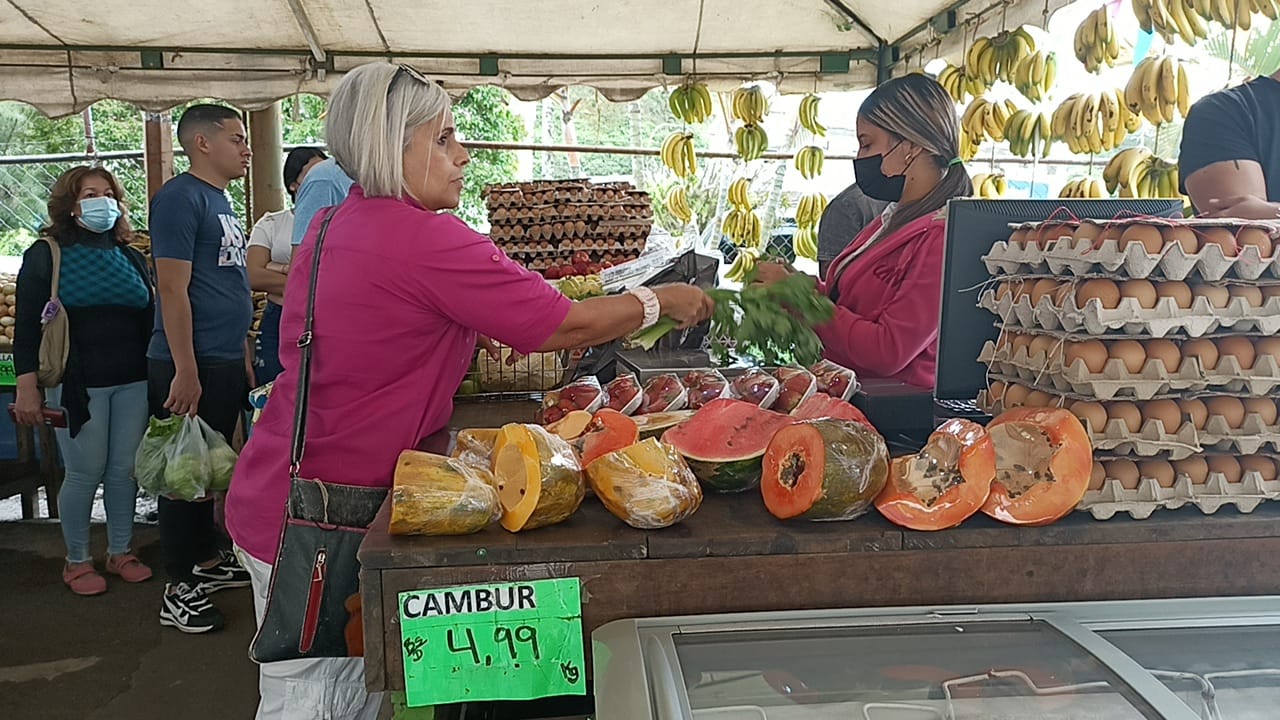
(186, 608)
(228, 573)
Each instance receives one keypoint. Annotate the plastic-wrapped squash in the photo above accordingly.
(437, 495)
(474, 446)
(824, 470)
(647, 485)
(538, 476)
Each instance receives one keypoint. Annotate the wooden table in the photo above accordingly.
(732, 556)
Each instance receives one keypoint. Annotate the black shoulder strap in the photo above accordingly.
(302, 402)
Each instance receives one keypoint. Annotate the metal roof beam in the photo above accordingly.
(308, 30)
(853, 17)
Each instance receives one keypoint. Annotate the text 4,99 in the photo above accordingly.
(504, 638)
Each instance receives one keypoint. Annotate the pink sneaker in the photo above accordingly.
(83, 579)
(128, 567)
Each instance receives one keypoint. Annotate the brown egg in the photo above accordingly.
(1195, 468)
(1127, 413)
(1048, 345)
(1238, 346)
(1204, 350)
(1040, 398)
(1225, 464)
(1179, 291)
(995, 391)
(1166, 351)
(1021, 288)
(1092, 352)
(1166, 411)
(1231, 409)
(1267, 346)
(1021, 341)
(1217, 295)
(1257, 237)
(1018, 238)
(1004, 290)
(1270, 291)
(1264, 408)
(1126, 471)
(1086, 230)
(1222, 237)
(1252, 294)
(1044, 288)
(1097, 476)
(1141, 290)
(1159, 470)
(1015, 395)
(1195, 410)
(1261, 464)
(1111, 231)
(1051, 232)
(1129, 352)
(1091, 414)
(1148, 235)
(1183, 236)
(1105, 291)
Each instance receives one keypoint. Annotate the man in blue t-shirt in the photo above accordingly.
(196, 360)
(326, 185)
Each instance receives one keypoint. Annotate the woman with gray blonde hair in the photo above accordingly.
(887, 284)
(405, 293)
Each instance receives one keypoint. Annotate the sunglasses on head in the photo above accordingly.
(411, 72)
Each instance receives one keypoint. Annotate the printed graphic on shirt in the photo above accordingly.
(232, 251)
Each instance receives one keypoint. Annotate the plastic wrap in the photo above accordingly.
(756, 387)
(623, 394)
(529, 373)
(222, 459)
(824, 470)
(175, 459)
(474, 447)
(437, 495)
(663, 393)
(581, 394)
(647, 485)
(796, 386)
(835, 380)
(703, 386)
(538, 476)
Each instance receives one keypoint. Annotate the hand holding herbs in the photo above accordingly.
(772, 323)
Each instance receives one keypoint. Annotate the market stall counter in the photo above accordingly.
(733, 556)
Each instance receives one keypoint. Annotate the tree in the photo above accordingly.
(485, 114)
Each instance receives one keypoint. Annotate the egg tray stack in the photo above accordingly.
(543, 224)
(1158, 336)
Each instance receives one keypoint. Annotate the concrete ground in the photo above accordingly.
(65, 657)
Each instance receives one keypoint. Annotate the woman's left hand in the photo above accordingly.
(768, 273)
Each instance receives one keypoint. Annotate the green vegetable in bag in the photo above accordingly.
(149, 462)
(186, 473)
(222, 459)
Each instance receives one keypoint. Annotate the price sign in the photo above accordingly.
(8, 378)
(507, 641)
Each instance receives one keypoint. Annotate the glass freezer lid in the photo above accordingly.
(1223, 673)
(949, 671)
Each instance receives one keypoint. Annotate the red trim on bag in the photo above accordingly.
(315, 595)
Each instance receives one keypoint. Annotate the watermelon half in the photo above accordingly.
(725, 441)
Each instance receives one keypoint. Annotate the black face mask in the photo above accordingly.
(872, 180)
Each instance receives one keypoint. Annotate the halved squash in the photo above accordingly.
(571, 426)
(944, 483)
(437, 495)
(823, 470)
(608, 431)
(647, 485)
(538, 476)
(1043, 462)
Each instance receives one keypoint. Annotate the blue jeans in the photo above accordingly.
(101, 453)
(266, 363)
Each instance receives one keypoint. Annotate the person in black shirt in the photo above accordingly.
(105, 287)
(1230, 157)
(844, 218)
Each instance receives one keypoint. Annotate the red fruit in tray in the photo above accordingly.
(660, 392)
(566, 270)
(580, 257)
(580, 268)
(580, 397)
(552, 273)
(621, 391)
(838, 385)
(593, 268)
(552, 414)
(703, 387)
(606, 265)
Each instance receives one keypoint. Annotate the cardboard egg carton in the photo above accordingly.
(1215, 494)
(1115, 382)
(1252, 437)
(1066, 255)
(1128, 317)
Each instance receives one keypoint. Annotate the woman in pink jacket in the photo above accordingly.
(887, 284)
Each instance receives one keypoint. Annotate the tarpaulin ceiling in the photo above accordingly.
(63, 55)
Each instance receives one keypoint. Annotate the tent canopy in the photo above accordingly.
(63, 55)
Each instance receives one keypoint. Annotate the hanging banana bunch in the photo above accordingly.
(968, 146)
(690, 103)
(1229, 13)
(1085, 188)
(959, 84)
(809, 210)
(1029, 134)
(1157, 88)
(1138, 173)
(738, 195)
(1093, 123)
(994, 58)
(990, 185)
(809, 160)
(1096, 43)
(809, 116)
(984, 118)
(677, 154)
(805, 243)
(1180, 18)
(678, 205)
(751, 142)
(1034, 75)
(743, 228)
(743, 264)
(750, 105)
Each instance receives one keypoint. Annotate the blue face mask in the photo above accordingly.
(99, 214)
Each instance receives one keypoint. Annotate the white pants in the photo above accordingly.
(329, 689)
